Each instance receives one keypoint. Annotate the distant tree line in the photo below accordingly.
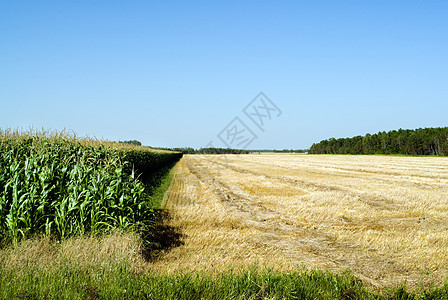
(291, 151)
(222, 151)
(423, 141)
(132, 142)
(189, 150)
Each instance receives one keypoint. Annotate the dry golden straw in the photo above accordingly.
(385, 218)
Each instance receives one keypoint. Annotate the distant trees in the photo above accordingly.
(423, 141)
(222, 151)
(185, 150)
(189, 150)
(290, 151)
(132, 142)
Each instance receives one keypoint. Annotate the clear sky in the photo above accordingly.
(176, 73)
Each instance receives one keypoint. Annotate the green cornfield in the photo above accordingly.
(58, 185)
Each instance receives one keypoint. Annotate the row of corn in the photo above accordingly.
(62, 186)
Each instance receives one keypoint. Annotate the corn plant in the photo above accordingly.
(62, 186)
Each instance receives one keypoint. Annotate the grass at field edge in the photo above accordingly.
(117, 281)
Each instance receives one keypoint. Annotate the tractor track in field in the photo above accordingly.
(396, 177)
(374, 202)
(302, 245)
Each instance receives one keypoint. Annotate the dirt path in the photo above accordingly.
(239, 211)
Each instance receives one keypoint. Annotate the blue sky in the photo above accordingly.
(175, 73)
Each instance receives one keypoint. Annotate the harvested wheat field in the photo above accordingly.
(385, 218)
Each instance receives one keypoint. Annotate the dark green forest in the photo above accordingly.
(422, 141)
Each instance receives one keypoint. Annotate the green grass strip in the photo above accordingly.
(119, 282)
